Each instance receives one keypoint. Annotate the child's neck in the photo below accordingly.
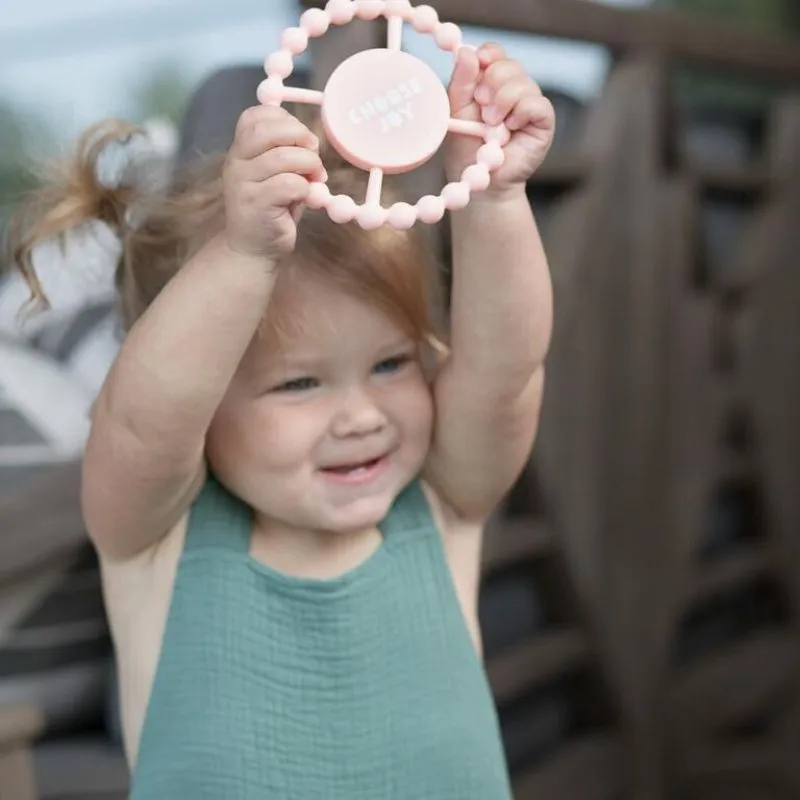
(319, 555)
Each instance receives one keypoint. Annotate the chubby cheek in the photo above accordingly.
(259, 441)
(413, 411)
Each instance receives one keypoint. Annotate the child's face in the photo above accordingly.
(322, 429)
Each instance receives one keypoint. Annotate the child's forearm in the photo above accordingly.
(502, 306)
(179, 358)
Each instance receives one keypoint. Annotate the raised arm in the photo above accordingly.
(489, 391)
(144, 459)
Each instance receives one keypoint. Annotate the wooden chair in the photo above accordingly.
(18, 729)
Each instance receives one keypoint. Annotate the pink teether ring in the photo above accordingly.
(385, 111)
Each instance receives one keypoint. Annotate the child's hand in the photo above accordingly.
(266, 178)
(504, 93)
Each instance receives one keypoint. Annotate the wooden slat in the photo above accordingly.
(509, 541)
(589, 768)
(712, 760)
(760, 787)
(525, 666)
(17, 780)
(732, 684)
(782, 145)
(772, 366)
(741, 180)
(681, 35)
(728, 572)
(42, 521)
(83, 768)
(743, 275)
(327, 52)
(563, 169)
(736, 467)
(728, 391)
(18, 725)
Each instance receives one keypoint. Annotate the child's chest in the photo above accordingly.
(376, 692)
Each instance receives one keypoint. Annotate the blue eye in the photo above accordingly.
(390, 365)
(298, 385)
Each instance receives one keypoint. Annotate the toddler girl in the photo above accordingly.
(288, 474)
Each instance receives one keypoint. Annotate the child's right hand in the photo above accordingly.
(266, 178)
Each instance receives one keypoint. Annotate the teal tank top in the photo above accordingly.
(363, 687)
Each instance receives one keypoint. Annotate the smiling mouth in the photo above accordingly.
(360, 472)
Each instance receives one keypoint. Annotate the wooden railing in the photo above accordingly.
(665, 664)
(18, 728)
(671, 33)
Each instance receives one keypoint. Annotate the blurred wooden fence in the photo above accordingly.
(641, 597)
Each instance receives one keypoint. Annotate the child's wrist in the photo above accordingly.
(243, 252)
(221, 248)
(499, 196)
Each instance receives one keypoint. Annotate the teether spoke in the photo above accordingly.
(292, 94)
(385, 111)
(467, 127)
(372, 214)
(395, 38)
(374, 186)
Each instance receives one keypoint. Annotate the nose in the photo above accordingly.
(358, 415)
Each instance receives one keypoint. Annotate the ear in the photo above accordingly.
(435, 356)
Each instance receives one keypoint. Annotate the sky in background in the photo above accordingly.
(76, 62)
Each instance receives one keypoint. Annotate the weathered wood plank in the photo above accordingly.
(525, 666)
(590, 768)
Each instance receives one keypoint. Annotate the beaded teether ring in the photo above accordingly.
(385, 111)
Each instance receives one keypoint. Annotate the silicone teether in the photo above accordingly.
(385, 111)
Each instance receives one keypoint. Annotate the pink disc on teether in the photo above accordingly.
(387, 109)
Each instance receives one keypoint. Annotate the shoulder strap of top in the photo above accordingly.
(410, 512)
(218, 520)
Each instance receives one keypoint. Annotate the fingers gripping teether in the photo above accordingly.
(385, 111)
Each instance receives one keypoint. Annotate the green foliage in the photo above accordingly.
(770, 16)
(22, 137)
(701, 87)
(164, 93)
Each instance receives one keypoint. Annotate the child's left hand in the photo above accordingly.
(488, 86)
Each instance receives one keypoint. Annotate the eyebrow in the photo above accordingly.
(399, 344)
(307, 361)
(298, 363)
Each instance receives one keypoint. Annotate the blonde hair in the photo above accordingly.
(395, 271)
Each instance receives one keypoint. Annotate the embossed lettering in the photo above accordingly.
(393, 108)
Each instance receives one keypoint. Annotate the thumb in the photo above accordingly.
(464, 80)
